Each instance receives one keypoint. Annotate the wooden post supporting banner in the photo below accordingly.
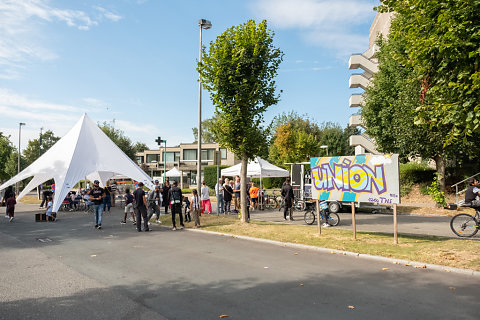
(318, 217)
(354, 225)
(395, 224)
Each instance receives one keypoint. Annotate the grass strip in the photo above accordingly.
(458, 253)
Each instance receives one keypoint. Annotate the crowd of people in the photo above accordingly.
(144, 206)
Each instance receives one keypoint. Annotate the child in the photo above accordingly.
(188, 217)
(195, 208)
(128, 207)
(11, 202)
(48, 211)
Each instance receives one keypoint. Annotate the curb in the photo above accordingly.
(414, 264)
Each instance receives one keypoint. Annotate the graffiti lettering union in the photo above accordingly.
(356, 178)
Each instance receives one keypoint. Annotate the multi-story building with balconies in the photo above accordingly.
(369, 65)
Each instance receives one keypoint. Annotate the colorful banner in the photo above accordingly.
(362, 178)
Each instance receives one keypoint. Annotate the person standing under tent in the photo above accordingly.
(236, 192)
(141, 207)
(219, 194)
(175, 199)
(114, 192)
(287, 194)
(227, 195)
(205, 197)
(96, 196)
(254, 196)
(107, 201)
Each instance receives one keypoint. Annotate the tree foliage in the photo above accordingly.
(297, 138)
(239, 70)
(392, 104)
(208, 135)
(122, 141)
(37, 147)
(442, 40)
(6, 150)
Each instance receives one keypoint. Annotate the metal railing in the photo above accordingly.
(457, 193)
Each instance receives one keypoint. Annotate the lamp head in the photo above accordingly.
(204, 24)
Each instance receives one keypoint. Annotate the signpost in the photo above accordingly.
(363, 178)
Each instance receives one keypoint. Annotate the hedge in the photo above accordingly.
(412, 173)
(210, 175)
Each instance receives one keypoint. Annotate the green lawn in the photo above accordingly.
(457, 253)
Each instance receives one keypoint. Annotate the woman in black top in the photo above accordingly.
(227, 195)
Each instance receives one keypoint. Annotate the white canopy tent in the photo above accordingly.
(173, 173)
(257, 168)
(85, 151)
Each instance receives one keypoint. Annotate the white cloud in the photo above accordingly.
(22, 40)
(327, 23)
(60, 118)
(108, 14)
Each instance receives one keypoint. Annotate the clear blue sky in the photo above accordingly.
(132, 62)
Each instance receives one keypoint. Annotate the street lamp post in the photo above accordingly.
(19, 154)
(159, 142)
(325, 147)
(203, 24)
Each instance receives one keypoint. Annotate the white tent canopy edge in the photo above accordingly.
(83, 151)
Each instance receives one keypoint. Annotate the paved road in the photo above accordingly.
(78, 272)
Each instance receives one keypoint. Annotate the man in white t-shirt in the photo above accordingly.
(219, 193)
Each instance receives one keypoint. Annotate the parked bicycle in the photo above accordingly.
(465, 225)
(326, 216)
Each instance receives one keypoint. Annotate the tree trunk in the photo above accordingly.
(440, 166)
(243, 189)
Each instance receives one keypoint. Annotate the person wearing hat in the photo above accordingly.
(96, 196)
(141, 208)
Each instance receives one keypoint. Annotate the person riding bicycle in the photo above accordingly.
(473, 191)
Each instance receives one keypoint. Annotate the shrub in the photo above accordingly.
(437, 195)
(269, 183)
(210, 175)
(412, 173)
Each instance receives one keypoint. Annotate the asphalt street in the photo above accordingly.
(69, 270)
(434, 225)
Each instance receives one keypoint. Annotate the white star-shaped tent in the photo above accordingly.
(84, 151)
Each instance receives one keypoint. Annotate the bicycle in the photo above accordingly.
(269, 201)
(465, 225)
(332, 218)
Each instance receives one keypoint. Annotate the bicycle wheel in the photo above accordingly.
(333, 219)
(299, 205)
(271, 203)
(309, 217)
(464, 225)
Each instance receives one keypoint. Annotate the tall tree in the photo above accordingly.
(442, 40)
(389, 110)
(39, 146)
(296, 138)
(239, 70)
(6, 150)
(121, 140)
(208, 135)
